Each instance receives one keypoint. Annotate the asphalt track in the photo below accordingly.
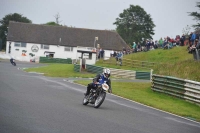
(33, 103)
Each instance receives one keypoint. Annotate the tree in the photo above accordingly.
(134, 24)
(57, 16)
(52, 23)
(56, 23)
(196, 16)
(4, 23)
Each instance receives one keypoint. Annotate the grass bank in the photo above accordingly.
(174, 62)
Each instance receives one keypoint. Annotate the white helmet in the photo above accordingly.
(106, 73)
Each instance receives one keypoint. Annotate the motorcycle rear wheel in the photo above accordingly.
(100, 100)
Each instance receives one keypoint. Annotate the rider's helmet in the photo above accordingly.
(106, 73)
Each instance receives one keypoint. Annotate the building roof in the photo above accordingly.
(64, 36)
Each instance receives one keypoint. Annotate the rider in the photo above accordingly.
(104, 77)
(11, 60)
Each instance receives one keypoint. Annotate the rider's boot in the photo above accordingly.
(88, 91)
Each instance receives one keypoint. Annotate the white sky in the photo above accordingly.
(169, 16)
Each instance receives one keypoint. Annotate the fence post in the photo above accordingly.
(80, 65)
(151, 73)
(197, 54)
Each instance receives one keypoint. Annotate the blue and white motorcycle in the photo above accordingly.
(96, 96)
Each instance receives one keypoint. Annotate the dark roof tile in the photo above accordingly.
(44, 34)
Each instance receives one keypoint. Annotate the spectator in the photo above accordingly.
(102, 53)
(194, 46)
(156, 44)
(177, 40)
(147, 45)
(192, 39)
(124, 50)
(128, 51)
(190, 43)
(164, 43)
(151, 44)
(115, 54)
(134, 47)
(119, 58)
(139, 48)
(161, 42)
(191, 49)
(182, 40)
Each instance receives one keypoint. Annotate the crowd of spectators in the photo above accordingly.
(192, 41)
(164, 43)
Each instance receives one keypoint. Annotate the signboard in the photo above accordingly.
(34, 48)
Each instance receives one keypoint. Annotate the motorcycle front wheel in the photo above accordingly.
(100, 100)
(14, 64)
(85, 100)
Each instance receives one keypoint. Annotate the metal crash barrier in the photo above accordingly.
(117, 73)
(182, 88)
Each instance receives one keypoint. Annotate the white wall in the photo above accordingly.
(59, 52)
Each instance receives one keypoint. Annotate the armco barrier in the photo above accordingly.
(143, 75)
(120, 73)
(76, 68)
(94, 69)
(117, 73)
(55, 60)
(182, 88)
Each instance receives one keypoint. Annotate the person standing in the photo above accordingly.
(134, 47)
(182, 40)
(193, 38)
(160, 42)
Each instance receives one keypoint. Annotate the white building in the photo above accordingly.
(31, 41)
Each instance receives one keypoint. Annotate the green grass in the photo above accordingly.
(60, 70)
(142, 93)
(163, 56)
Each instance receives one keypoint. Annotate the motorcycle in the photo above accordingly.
(12, 61)
(96, 96)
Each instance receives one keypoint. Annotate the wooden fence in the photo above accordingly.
(131, 63)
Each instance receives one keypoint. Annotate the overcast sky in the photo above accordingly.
(169, 16)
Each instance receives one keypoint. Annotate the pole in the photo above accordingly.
(94, 42)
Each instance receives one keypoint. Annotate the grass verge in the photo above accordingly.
(60, 70)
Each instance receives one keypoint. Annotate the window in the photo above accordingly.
(44, 46)
(68, 48)
(20, 44)
(23, 44)
(17, 44)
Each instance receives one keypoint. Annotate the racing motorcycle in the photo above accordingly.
(96, 96)
(12, 61)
